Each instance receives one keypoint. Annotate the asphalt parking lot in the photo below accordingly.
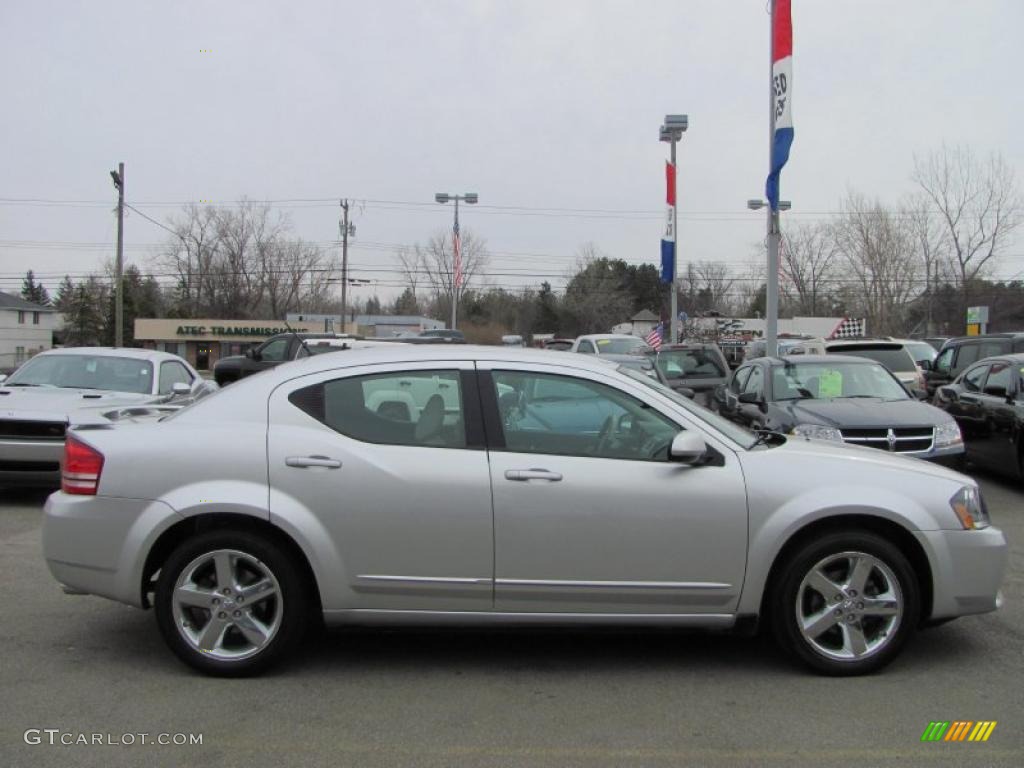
(84, 665)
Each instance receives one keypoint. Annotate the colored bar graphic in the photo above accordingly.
(958, 730)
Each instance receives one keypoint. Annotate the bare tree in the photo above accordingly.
(879, 254)
(933, 250)
(436, 262)
(410, 264)
(978, 203)
(807, 258)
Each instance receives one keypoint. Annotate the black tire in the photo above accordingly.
(831, 549)
(291, 609)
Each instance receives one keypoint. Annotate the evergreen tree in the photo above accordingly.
(33, 291)
(65, 292)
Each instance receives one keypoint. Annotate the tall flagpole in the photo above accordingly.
(771, 309)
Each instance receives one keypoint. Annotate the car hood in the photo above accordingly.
(863, 412)
(45, 403)
(802, 449)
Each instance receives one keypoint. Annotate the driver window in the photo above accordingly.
(944, 361)
(274, 351)
(566, 416)
(973, 378)
(755, 384)
(739, 380)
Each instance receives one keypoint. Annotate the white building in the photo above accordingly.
(25, 329)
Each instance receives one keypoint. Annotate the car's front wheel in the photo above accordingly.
(846, 603)
(230, 603)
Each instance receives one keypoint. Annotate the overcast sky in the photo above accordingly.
(545, 105)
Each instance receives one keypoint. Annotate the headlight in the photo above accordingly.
(818, 432)
(947, 434)
(970, 508)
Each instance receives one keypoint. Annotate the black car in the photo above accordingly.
(987, 401)
(958, 354)
(272, 352)
(838, 397)
(696, 368)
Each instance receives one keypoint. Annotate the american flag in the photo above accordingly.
(654, 337)
(456, 252)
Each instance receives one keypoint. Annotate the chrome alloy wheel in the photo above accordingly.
(849, 606)
(227, 604)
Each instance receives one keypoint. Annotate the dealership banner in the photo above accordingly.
(782, 96)
(668, 240)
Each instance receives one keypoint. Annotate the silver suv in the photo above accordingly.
(479, 485)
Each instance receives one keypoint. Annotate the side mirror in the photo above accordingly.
(181, 388)
(686, 392)
(252, 353)
(687, 448)
(750, 398)
(924, 365)
(948, 393)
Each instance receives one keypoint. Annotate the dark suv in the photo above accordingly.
(272, 352)
(960, 353)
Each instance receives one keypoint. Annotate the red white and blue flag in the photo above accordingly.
(668, 240)
(782, 93)
(654, 337)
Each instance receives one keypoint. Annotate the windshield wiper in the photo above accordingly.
(20, 384)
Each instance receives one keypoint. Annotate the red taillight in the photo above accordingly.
(82, 467)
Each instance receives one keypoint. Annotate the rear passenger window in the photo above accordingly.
(422, 408)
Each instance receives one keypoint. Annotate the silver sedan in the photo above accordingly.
(470, 485)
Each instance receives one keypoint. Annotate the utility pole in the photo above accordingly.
(344, 265)
(118, 177)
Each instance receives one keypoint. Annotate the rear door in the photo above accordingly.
(1000, 411)
(590, 516)
(388, 463)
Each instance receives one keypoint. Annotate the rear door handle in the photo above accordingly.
(312, 461)
(532, 474)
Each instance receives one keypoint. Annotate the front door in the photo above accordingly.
(389, 464)
(590, 516)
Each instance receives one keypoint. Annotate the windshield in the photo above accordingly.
(690, 364)
(893, 358)
(620, 346)
(727, 428)
(825, 381)
(114, 374)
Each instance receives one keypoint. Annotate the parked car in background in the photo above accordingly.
(987, 401)
(842, 398)
(481, 485)
(82, 384)
(558, 345)
(512, 340)
(699, 368)
(271, 353)
(609, 344)
(894, 355)
(924, 354)
(443, 334)
(962, 352)
(786, 344)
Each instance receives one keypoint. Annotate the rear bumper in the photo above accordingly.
(98, 544)
(30, 463)
(967, 570)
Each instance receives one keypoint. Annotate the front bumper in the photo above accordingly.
(967, 570)
(30, 463)
(99, 544)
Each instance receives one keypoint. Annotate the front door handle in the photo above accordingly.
(312, 461)
(532, 474)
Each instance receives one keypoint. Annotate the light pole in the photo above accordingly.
(771, 294)
(672, 132)
(470, 198)
(118, 177)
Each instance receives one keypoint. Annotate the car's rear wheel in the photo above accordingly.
(846, 603)
(230, 603)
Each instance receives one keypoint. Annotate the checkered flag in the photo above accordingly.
(849, 328)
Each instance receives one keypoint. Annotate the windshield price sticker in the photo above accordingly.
(830, 384)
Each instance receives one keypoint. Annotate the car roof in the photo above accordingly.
(150, 355)
(984, 336)
(593, 336)
(820, 359)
